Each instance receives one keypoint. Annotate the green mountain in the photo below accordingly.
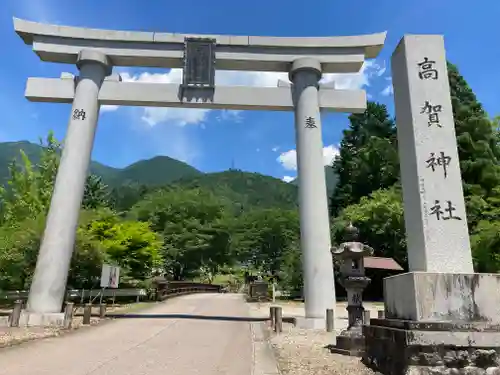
(131, 183)
(159, 170)
(246, 188)
(331, 180)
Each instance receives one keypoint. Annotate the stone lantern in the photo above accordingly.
(351, 255)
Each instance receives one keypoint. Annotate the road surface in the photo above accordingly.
(167, 342)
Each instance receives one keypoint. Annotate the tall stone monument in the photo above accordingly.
(441, 317)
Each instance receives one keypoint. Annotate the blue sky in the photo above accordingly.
(255, 141)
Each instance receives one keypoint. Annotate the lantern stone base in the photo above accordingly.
(350, 342)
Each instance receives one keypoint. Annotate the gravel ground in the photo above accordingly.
(15, 335)
(302, 352)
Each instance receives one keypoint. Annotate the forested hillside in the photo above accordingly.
(248, 189)
(330, 177)
(157, 171)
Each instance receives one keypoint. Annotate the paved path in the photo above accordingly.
(167, 345)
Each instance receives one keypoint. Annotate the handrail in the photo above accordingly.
(126, 292)
(78, 293)
(169, 293)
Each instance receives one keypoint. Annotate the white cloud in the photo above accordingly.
(109, 108)
(153, 115)
(288, 159)
(183, 116)
(288, 178)
(389, 90)
(230, 116)
(275, 148)
(356, 81)
(329, 154)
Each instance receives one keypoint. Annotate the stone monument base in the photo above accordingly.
(310, 323)
(397, 347)
(349, 342)
(436, 297)
(41, 319)
(437, 323)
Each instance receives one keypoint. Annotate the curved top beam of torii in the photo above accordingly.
(339, 54)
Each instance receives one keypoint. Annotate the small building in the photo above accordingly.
(378, 268)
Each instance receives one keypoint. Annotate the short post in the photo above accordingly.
(68, 315)
(87, 312)
(329, 320)
(278, 327)
(102, 295)
(366, 317)
(272, 316)
(16, 313)
(381, 314)
(102, 310)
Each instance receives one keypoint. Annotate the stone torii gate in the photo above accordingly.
(95, 53)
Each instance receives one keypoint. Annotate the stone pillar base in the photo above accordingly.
(443, 297)
(310, 323)
(41, 319)
(397, 347)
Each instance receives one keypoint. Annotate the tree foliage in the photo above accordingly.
(375, 204)
(101, 237)
(368, 158)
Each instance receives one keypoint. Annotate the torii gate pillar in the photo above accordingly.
(319, 287)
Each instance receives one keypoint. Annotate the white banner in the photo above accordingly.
(110, 276)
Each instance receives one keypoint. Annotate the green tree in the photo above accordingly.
(290, 274)
(125, 196)
(29, 189)
(96, 193)
(380, 220)
(486, 246)
(478, 151)
(19, 244)
(188, 220)
(30, 186)
(368, 158)
(263, 237)
(130, 244)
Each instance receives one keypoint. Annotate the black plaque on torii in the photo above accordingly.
(199, 63)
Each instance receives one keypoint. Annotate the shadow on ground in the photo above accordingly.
(185, 316)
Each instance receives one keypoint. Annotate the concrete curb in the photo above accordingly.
(264, 361)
